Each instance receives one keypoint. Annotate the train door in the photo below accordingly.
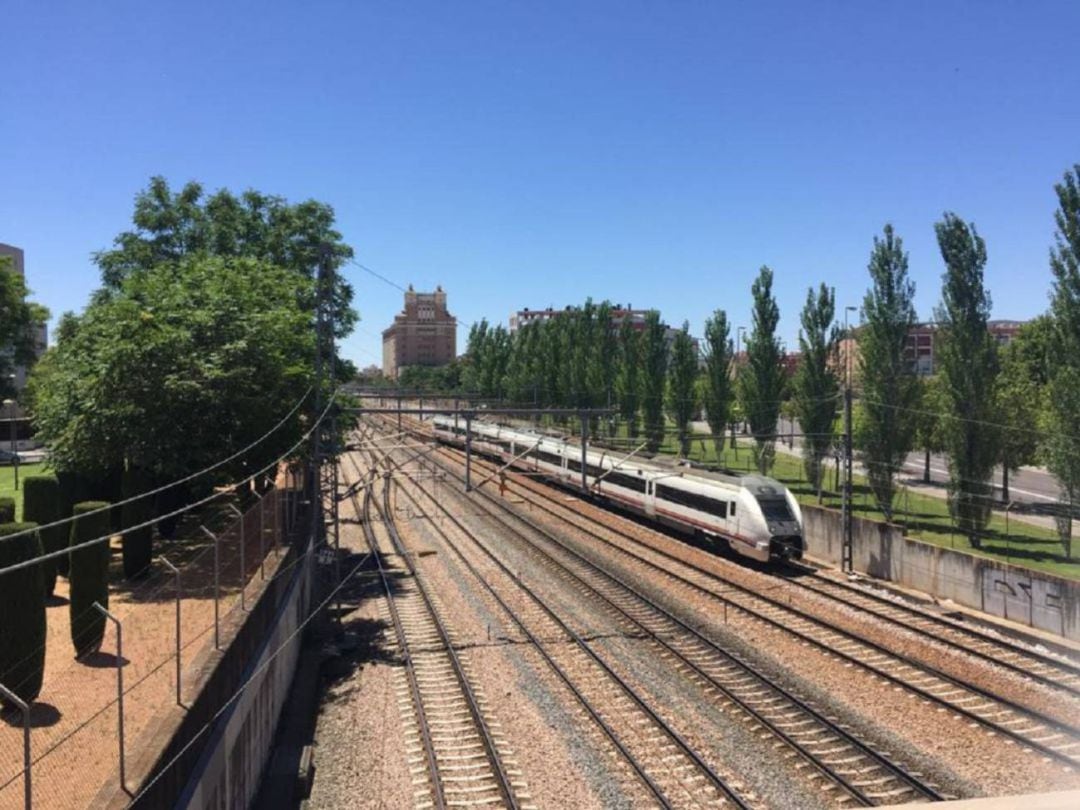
(650, 497)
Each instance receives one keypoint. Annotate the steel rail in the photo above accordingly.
(501, 777)
(895, 771)
(1046, 721)
(658, 792)
(438, 797)
(822, 584)
(1049, 723)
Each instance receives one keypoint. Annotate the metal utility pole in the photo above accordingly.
(584, 451)
(847, 546)
(468, 452)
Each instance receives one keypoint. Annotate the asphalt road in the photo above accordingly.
(1028, 484)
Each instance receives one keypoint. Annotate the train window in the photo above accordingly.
(550, 458)
(693, 500)
(733, 508)
(775, 509)
(629, 481)
(574, 465)
(594, 471)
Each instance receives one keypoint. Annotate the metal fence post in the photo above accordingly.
(119, 686)
(217, 586)
(262, 535)
(243, 560)
(176, 573)
(23, 707)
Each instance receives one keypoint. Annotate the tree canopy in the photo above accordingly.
(682, 388)
(815, 387)
(969, 367)
(885, 431)
(761, 380)
(180, 365)
(718, 389)
(172, 226)
(19, 321)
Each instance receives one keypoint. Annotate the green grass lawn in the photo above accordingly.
(923, 516)
(7, 483)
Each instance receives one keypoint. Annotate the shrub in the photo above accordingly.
(22, 608)
(7, 510)
(166, 501)
(138, 544)
(41, 505)
(89, 577)
(68, 485)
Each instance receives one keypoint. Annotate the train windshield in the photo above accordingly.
(776, 510)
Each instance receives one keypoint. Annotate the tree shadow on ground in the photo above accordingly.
(192, 551)
(42, 715)
(102, 660)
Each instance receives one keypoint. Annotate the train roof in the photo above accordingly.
(759, 485)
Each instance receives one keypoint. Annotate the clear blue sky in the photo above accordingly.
(535, 153)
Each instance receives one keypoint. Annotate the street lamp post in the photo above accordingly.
(738, 350)
(847, 547)
(9, 404)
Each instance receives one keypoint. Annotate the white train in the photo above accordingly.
(753, 515)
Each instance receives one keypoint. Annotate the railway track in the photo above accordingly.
(669, 771)
(455, 760)
(1044, 669)
(864, 776)
(1033, 730)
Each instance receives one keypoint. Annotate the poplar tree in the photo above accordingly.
(1062, 439)
(682, 389)
(890, 389)
(816, 389)
(969, 368)
(628, 378)
(718, 388)
(761, 381)
(654, 376)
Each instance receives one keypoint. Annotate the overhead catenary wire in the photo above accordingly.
(213, 496)
(177, 482)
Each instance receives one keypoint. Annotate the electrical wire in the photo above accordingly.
(175, 483)
(213, 496)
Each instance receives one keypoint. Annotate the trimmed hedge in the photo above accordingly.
(22, 614)
(69, 483)
(89, 577)
(7, 510)
(41, 505)
(166, 501)
(138, 544)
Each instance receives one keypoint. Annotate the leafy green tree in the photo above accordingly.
(1033, 349)
(968, 361)
(1062, 437)
(170, 227)
(718, 389)
(761, 381)
(628, 378)
(890, 390)
(929, 421)
(654, 357)
(1018, 399)
(176, 368)
(682, 389)
(605, 359)
(815, 394)
(19, 321)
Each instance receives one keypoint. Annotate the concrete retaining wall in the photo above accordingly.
(228, 771)
(1040, 600)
